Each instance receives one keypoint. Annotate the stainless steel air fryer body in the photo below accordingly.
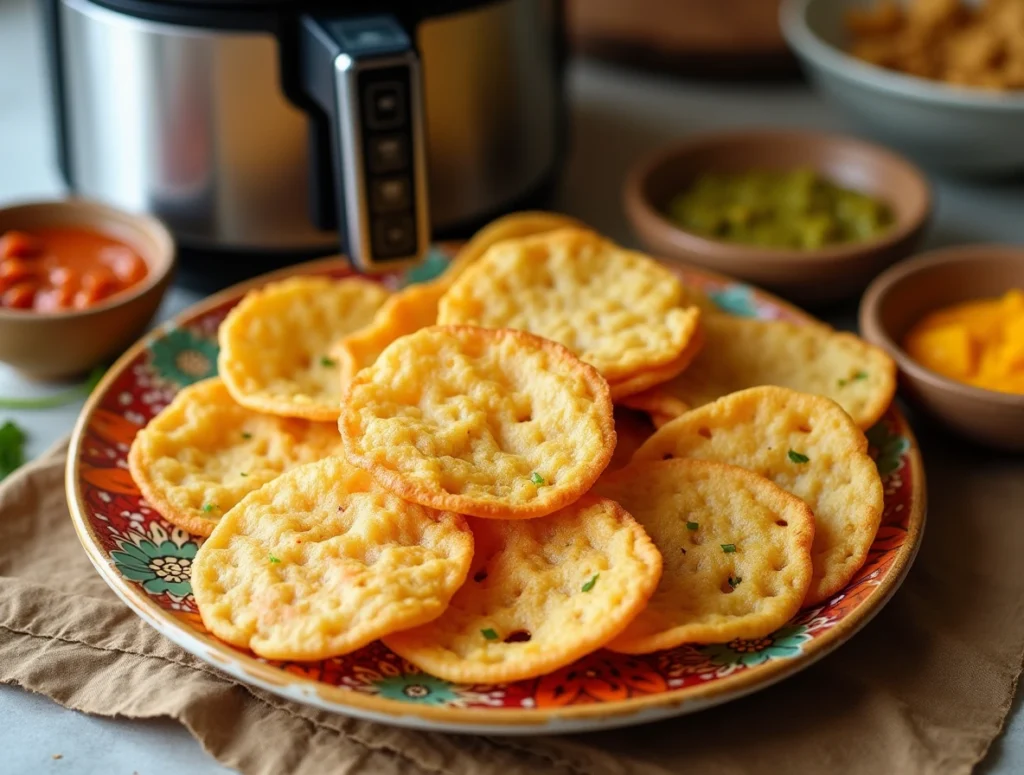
(199, 125)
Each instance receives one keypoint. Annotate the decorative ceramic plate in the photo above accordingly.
(147, 562)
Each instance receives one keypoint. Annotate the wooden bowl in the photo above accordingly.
(903, 295)
(724, 39)
(51, 345)
(823, 275)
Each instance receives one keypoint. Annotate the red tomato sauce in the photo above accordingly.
(50, 270)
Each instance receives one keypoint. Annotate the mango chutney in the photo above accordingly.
(979, 343)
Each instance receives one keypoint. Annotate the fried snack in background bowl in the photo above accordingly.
(204, 452)
(276, 343)
(736, 549)
(321, 562)
(541, 594)
(485, 422)
(977, 45)
(805, 444)
(415, 307)
(618, 310)
(740, 353)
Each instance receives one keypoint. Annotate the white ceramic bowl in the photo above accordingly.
(958, 129)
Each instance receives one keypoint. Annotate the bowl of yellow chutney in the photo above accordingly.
(953, 319)
(810, 215)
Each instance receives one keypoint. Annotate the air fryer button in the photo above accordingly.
(388, 195)
(385, 103)
(388, 153)
(394, 236)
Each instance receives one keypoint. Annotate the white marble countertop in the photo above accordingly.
(617, 116)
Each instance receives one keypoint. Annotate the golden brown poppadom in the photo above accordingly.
(540, 594)
(204, 452)
(618, 310)
(741, 353)
(642, 381)
(276, 344)
(736, 552)
(320, 562)
(809, 447)
(485, 422)
(415, 307)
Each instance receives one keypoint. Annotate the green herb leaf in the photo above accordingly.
(692, 525)
(327, 362)
(728, 548)
(887, 448)
(536, 478)
(246, 435)
(858, 376)
(62, 398)
(208, 507)
(243, 473)
(274, 559)
(12, 448)
(489, 634)
(590, 584)
(796, 457)
(734, 581)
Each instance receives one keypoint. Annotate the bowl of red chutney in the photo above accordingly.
(79, 282)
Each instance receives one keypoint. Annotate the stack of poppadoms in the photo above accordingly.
(465, 515)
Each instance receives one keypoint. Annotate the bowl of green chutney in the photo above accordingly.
(812, 216)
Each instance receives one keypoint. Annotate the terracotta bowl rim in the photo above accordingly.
(871, 323)
(160, 266)
(641, 209)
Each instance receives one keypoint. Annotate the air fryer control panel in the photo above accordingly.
(387, 161)
(378, 145)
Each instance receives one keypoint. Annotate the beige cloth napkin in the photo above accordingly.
(925, 688)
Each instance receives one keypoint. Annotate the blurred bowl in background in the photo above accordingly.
(903, 295)
(693, 38)
(805, 275)
(952, 128)
(51, 345)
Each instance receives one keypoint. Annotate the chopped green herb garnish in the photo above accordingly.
(208, 507)
(536, 478)
(62, 398)
(327, 362)
(243, 473)
(728, 548)
(590, 584)
(796, 457)
(734, 581)
(489, 634)
(274, 559)
(12, 448)
(246, 435)
(692, 525)
(856, 377)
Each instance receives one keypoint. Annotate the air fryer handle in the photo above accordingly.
(365, 74)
